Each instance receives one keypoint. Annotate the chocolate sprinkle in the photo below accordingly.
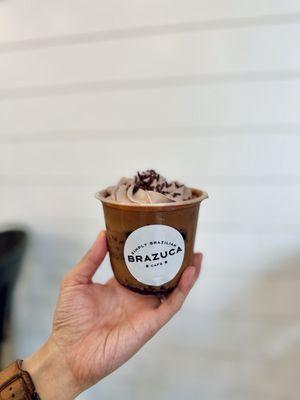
(147, 180)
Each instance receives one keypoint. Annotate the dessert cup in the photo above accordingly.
(150, 245)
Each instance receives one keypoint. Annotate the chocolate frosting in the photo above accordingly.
(148, 187)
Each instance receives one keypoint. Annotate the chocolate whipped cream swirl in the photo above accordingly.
(148, 187)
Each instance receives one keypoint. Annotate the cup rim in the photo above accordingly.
(200, 196)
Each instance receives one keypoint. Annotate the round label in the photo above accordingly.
(154, 253)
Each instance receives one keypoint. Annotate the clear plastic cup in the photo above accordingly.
(150, 245)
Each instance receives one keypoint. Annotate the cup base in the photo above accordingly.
(149, 292)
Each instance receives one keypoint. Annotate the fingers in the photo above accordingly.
(176, 299)
(84, 271)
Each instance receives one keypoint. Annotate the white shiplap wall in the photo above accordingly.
(206, 92)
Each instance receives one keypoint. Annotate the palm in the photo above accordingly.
(99, 327)
(108, 325)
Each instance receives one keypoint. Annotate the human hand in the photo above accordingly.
(98, 327)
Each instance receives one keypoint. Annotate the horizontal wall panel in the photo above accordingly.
(213, 298)
(255, 340)
(174, 132)
(203, 104)
(235, 251)
(207, 181)
(225, 299)
(208, 52)
(247, 299)
(234, 205)
(20, 22)
(174, 158)
(237, 379)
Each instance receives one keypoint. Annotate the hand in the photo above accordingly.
(97, 327)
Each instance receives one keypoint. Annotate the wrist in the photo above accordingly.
(50, 373)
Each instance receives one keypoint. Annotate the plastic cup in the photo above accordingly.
(151, 245)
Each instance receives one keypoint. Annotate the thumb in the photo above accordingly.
(84, 271)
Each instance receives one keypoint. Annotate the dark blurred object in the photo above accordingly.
(12, 248)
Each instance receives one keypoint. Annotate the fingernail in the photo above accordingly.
(199, 256)
(101, 234)
(188, 278)
(192, 272)
(99, 237)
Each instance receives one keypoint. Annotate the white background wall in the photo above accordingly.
(205, 91)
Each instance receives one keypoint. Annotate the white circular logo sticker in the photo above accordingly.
(154, 254)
